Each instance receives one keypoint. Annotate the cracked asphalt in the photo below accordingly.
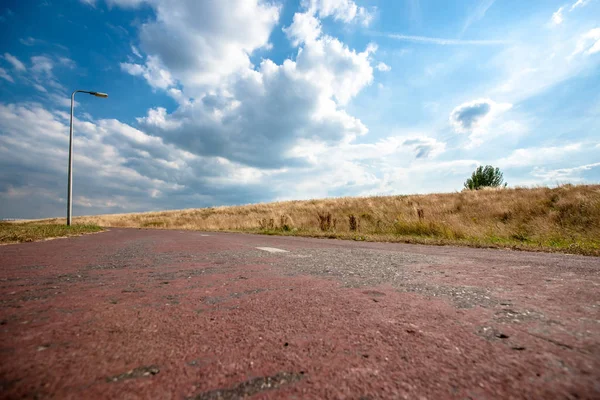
(131, 313)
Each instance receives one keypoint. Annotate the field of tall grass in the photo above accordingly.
(565, 218)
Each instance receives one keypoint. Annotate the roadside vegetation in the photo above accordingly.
(13, 232)
(565, 218)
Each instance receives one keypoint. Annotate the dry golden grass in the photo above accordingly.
(18, 232)
(566, 218)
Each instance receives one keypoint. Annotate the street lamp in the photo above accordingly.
(70, 185)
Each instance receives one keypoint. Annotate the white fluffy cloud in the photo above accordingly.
(339, 71)
(158, 117)
(341, 10)
(260, 117)
(236, 124)
(475, 116)
(214, 39)
(383, 67)
(156, 75)
(305, 28)
(247, 114)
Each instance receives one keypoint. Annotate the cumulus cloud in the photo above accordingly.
(214, 38)
(154, 73)
(14, 61)
(216, 44)
(263, 114)
(383, 67)
(260, 116)
(476, 118)
(157, 117)
(468, 115)
(475, 115)
(305, 28)
(341, 10)
(253, 115)
(338, 71)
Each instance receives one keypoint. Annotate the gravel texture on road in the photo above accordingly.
(187, 315)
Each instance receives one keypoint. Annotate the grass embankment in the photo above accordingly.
(566, 218)
(12, 232)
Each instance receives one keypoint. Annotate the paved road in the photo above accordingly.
(173, 314)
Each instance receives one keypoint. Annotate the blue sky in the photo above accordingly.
(242, 101)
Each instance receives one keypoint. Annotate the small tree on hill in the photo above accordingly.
(487, 176)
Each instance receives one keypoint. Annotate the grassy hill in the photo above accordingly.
(566, 218)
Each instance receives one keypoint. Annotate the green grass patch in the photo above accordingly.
(30, 232)
(441, 237)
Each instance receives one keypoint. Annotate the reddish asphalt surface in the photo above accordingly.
(133, 313)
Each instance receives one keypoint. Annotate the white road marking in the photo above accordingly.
(204, 235)
(272, 250)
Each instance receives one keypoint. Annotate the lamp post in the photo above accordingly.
(70, 184)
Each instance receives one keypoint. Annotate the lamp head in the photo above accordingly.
(99, 94)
